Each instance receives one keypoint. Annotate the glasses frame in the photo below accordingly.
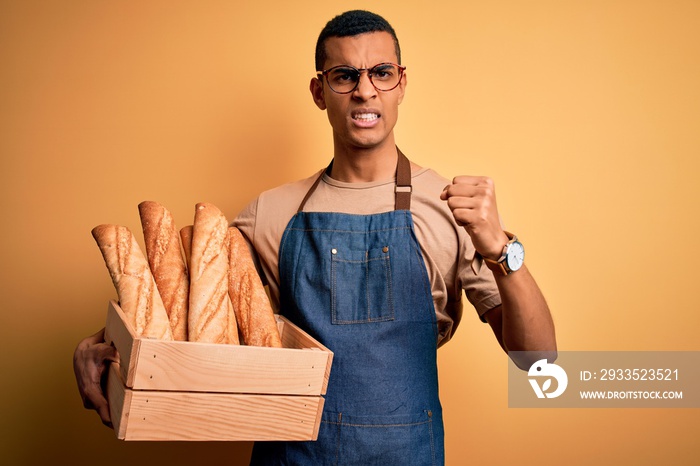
(324, 73)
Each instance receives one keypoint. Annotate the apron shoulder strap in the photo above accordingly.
(313, 187)
(402, 189)
(403, 186)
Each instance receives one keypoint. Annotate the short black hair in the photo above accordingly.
(353, 23)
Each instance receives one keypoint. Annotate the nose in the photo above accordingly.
(365, 89)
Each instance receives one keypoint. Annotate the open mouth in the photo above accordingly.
(365, 116)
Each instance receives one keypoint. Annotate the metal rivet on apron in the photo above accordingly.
(334, 251)
(385, 249)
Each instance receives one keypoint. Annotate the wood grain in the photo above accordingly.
(180, 390)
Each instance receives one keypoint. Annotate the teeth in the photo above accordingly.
(366, 116)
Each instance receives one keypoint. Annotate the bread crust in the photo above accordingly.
(256, 321)
(167, 265)
(138, 295)
(186, 237)
(211, 314)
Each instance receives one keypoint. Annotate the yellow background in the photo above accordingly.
(586, 114)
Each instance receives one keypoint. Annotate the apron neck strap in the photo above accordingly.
(403, 186)
(402, 189)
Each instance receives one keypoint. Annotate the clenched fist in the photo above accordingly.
(472, 200)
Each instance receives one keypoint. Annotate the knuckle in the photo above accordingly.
(488, 192)
(463, 215)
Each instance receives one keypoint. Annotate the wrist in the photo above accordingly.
(499, 249)
(511, 258)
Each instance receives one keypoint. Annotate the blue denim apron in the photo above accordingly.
(358, 284)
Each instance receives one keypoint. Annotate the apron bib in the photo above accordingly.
(358, 284)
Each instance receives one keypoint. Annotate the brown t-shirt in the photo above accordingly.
(447, 249)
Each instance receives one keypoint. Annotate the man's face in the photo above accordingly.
(364, 118)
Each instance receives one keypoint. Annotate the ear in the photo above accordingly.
(316, 88)
(402, 87)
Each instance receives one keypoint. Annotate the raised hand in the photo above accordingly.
(472, 200)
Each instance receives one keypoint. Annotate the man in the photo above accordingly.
(371, 256)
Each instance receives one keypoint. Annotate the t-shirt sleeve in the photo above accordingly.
(479, 287)
(245, 222)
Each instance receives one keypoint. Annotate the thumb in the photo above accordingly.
(108, 353)
(443, 194)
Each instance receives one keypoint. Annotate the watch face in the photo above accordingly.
(515, 256)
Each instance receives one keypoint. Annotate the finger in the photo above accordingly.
(467, 216)
(472, 180)
(103, 411)
(94, 397)
(91, 378)
(92, 394)
(463, 202)
(460, 218)
(467, 190)
(107, 353)
(471, 185)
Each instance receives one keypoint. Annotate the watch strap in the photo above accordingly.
(500, 266)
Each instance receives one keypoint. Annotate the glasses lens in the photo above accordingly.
(385, 76)
(343, 79)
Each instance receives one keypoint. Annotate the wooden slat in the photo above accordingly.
(207, 367)
(327, 374)
(212, 416)
(118, 397)
(294, 337)
(319, 413)
(120, 334)
(148, 364)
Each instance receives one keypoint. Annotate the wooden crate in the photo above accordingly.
(178, 390)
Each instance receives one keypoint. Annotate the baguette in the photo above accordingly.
(135, 285)
(167, 265)
(211, 315)
(256, 320)
(186, 237)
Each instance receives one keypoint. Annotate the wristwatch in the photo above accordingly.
(511, 259)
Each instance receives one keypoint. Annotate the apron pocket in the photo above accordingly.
(361, 290)
(389, 440)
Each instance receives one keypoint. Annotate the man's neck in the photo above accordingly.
(364, 165)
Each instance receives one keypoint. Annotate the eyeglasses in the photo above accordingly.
(344, 79)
